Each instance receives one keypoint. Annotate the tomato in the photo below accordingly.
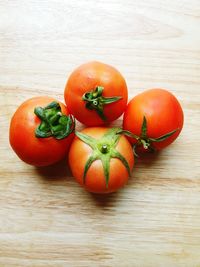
(41, 139)
(96, 94)
(100, 159)
(153, 119)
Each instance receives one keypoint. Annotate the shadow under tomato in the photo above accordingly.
(144, 164)
(105, 200)
(56, 172)
(148, 158)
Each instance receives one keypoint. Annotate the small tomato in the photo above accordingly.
(101, 159)
(153, 120)
(41, 131)
(96, 94)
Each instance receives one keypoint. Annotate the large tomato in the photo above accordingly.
(96, 94)
(41, 131)
(153, 119)
(101, 159)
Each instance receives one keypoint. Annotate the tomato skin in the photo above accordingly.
(163, 113)
(85, 78)
(95, 180)
(30, 149)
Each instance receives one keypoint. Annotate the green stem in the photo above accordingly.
(104, 149)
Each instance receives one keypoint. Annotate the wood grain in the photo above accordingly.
(46, 219)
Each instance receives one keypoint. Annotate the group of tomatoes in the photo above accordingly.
(101, 158)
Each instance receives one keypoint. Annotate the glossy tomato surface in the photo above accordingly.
(29, 148)
(163, 114)
(95, 178)
(85, 79)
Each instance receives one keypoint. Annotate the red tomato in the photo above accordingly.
(96, 94)
(100, 159)
(50, 125)
(155, 117)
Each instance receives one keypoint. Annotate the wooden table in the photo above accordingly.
(46, 219)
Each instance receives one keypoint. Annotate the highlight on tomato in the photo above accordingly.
(153, 120)
(41, 131)
(96, 94)
(101, 160)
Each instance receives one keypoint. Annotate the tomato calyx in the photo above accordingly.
(53, 122)
(143, 140)
(95, 101)
(103, 149)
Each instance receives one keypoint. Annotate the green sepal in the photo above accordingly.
(106, 168)
(112, 136)
(163, 137)
(143, 139)
(144, 128)
(41, 133)
(40, 113)
(53, 122)
(89, 162)
(119, 156)
(86, 139)
(103, 149)
(95, 101)
(129, 134)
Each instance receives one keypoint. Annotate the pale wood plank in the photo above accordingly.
(46, 219)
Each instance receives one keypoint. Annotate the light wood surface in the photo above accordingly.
(46, 219)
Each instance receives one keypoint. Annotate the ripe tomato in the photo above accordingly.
(153, 119)
(100, 159)
(96, 94)
(41, 139)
